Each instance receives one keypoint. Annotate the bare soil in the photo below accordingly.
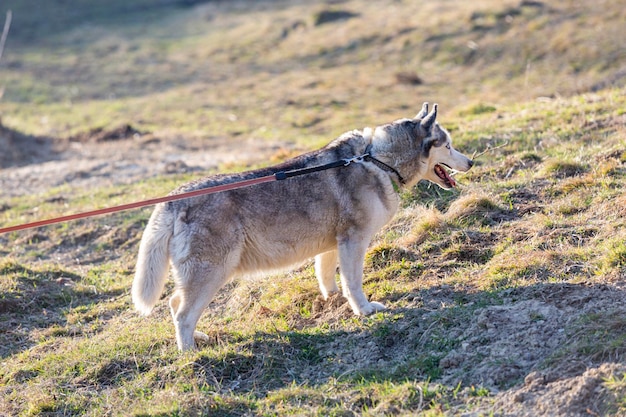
(122, 154)
(524, 338)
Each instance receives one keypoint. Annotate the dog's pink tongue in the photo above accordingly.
(442, 171)
(450, 179)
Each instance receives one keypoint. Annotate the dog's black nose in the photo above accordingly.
(470, 163)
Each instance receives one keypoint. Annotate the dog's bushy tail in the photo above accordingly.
(152, 262)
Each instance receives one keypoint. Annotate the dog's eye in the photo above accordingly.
(448, 146)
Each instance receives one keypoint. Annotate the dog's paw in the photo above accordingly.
(371, 308)
(201, 337)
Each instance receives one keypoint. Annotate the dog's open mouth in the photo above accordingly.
(443, 174)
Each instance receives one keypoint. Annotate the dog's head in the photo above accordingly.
(420, 149)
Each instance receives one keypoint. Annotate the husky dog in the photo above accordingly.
(331, 215)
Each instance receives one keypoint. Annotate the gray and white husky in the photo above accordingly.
(331, 215)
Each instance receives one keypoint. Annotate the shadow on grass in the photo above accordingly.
(19, 149)
(34, 21)
(38, 300)
(481, 342)
(441, 341)
(491, 339)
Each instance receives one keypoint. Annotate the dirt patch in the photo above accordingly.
(503, 342)
(408, 78)
(334, 308)
(582, 395)
(533, 352)
(101, 157)
(19, 149)
(105, 135)
(331, 16)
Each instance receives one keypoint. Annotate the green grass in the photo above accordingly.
(536, 228)
(87, 352)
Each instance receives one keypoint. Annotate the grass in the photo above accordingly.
(80, 349)
(532, 242)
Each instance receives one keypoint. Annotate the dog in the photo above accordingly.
(331, 215)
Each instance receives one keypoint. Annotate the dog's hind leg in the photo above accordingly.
(325, 270)
(190, 300)
(351, 258)
(174, 306)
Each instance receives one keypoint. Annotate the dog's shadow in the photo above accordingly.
(489, 339)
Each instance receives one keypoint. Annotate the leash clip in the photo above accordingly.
(355, 159)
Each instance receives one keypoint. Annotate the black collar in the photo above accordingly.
(380, 164)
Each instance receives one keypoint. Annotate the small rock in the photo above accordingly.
(534, 378)
(64, 281)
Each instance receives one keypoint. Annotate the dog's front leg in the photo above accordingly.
(351, 258)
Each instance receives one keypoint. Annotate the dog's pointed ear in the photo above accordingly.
(422, 112)
(428, 121)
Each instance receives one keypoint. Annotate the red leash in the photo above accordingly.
(195, 193)
(278, 176)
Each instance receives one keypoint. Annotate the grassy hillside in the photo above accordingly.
(270, 70)
(518, 274)
(505, 296)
